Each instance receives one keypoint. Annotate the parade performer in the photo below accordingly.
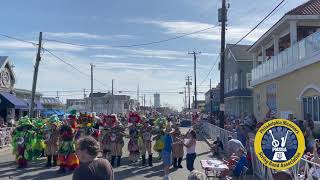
(133, 145)
(51, 140)
(145, 146)
(160, 124)
(117, 142)
(177, 147)
(67, 158)
(108, 121)
(39, 145)
(22, 141)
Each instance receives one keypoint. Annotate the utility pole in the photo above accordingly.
(211, 99)
(84, 93)
(112, 97)
(195, 77)
(35, 77)
(144, 103)
(185, 98)
(188, 83)
(223, 19)
(91, 97)
(57, 95)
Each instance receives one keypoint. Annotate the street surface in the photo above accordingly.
(37, 170)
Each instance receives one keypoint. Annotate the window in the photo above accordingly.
(231, 83)
(311, 105)
(227, 85)
(235, 81)
(248, 80)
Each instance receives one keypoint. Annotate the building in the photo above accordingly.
(76, 104)
(25, 95)
(237, 88)
(215, 92)
(157, 100)
(200, 104)
(52, 106)
(286, 66)
(106, 103)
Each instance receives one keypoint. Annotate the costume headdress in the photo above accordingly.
(134, 118)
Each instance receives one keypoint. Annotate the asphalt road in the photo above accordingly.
(37, 170)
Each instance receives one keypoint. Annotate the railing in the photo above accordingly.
(292, 55)
(303, 170)
(5, 136)
(213, 131)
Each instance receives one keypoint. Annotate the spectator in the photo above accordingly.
(91, 167)
(308, 135)
(191, 149)
(166, 152)
(196, 175)
(310, 121)
(242, 134)
(216, 146)
(233, 145)
(241, 162)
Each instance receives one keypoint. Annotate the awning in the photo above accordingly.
(39, 105)
(13, 101)
(48, 113)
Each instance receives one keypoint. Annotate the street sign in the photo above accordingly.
(221, 107)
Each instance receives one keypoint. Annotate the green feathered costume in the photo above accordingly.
(23, 141)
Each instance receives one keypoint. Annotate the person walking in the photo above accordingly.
(190, 145)
(91, 167)
(166, 152)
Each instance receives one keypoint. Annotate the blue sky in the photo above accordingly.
(159, 67)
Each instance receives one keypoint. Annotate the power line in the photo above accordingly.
(265, 18)
(132, 45)
(210, 71)
(271, 13)
(72, 66)
(18, 39)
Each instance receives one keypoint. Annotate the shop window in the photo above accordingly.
(235, 81)
(248, 80)
(311, 105)
(231, 83)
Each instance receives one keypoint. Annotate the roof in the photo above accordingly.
(17, 103)
(25, 91)
(98, 94)
(3, 60)
(51, 100)
(311, 7)
(240, 51)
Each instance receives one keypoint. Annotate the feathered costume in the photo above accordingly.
(177, 147)
(107, 122)
(133, 145)
(67, 158)
(146, 139)
(23, 141)
(160, 124)
(117, 142)
(51, 140)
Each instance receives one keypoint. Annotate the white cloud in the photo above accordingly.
(11, 44)
(234, 33)
(86, 35)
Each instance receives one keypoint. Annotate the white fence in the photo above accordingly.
(5, 136)
(213, 131)
(303, 170)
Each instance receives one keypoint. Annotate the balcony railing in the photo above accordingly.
(290, 56)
